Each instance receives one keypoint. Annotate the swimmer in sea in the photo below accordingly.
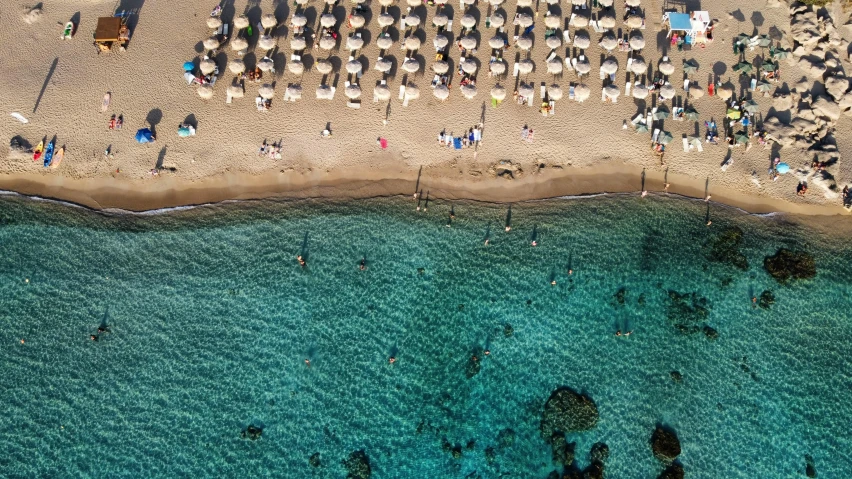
(553, 282)
(570, 272)
(307, 362)
(618, 333)
(93, 337)
(302, 261)
(391, 360)
(487, 352)
(534, 243)
(363, 265)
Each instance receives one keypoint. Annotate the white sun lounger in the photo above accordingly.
(685, 144)
(639, 117)
(401, 92)
(656, 135)
(566, 35)
(551, 56)
(686, 85)
(542, 91)
(627, 89)
(515, 70)
(571, 92)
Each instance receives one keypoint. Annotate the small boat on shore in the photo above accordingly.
(48, 154)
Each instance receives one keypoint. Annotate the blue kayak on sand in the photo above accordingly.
(48, 154)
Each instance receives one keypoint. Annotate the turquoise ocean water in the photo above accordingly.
(211, 319)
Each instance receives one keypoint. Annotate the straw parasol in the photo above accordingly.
(440, 42)
(239, 44)
(268, 21)
(609, 66)
(582, 40)
(266, 92)
(207, 66)
(554, 92)
(632, 3)
(440, 20)
(356, 20)
(605, 3)
(354, 67)
(526, 91)
(384, 42)
(581, 21)
(236, 66)
(725, 91)
(414, 3)
(578, 2)
(608, 42)
(638, 66)
(468, 21)
(666, 67)
(385, 20)
(294, 92)
(382, 92)
(324, 92)
(327, 42)
(582, 92)
(298, 43)
(266, 42)
(468, 42)
(553, 41)
(525, 67)
(497, 68)
(637, 41)
(211, 43)
(524, 3)
(324, 66)
(496, 3)
(468, 66)
(296, 67)
(205, 92)
(330, 2)
(440, 67)
(469, 91)
(411, 65)
(497, 20)
(640, 91)
(386, 3)
(214, 22)
(354, 43)
(583, 66)
(302, 2)
(412, 92)
(235, 91)
(524, 43)
(383, 65)
(696, 92)
(266, 65)
(299, 20)
(496, 42)
(607, 22)
(241, 22)
(552, 21)
(411, 43)
(352, 92)
(498, 93)
(554, 67)
(524, 20)
(634, 21)
(612, 91)
(328, 20)
(412, 20)
(441, 92)
(667, 92)
(552, 2)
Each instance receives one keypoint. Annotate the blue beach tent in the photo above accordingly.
(145, 136)
(782, 168)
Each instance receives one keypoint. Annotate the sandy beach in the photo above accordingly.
(58, 86)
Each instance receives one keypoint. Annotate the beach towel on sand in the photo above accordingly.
(457, 143)
(383, 142)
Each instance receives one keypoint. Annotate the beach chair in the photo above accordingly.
(552, 105)
(258, 101)
(542, 91)
(190, 78)
(573, 63)
(571, 92)
(355, 104)
(685, 145)
(686, 85)
(551, 56)
(602, 74)
(401, 92)
(656, 135)
(571, 20)
(515, 70)
(627, 89)
(698, 146)
(603, 95)
(566, 36)
(612, 77)
(649, 120)
(629, 62)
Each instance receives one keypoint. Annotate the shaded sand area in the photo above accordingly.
(58, 85)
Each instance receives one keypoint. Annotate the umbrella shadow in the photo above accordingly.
(304, 251)
(738, 15)
(228, 11)
(191, 121)
(153, 119)
(134, 6)
(46, 82)
(282, 11)
(508, 222)
(419, 174)
(757, 19)
(161, 158)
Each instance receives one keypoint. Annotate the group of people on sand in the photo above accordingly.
(472, 137)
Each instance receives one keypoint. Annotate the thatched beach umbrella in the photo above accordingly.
(414, 3)
(211, 43)
(241, 22)
(327, 42)
(411, 43)
(524, 3)
(412, 92)
(468, 66)
(440, 41)
(582, 92)
(554, 67)
(524, 43)
(324, 92)
(468, 21)
(632, 3)
(666, 67)
(266, 92)
(605, 3)
(495, 3)
(496, 42)
(667, 92)
(725, 91)
(294, 92)
(385, 20)
(525, 67)
(607, 22)
(298, 43)
(302, 2)
(214, 22)
(582, 40)
(411, 65)
(634, 21)
(412, 20)
(299, 20)
(552, 2)
(266, 64)
(386, 3)
(354, 43)
(497, 20)
(384, 42)
(609, 66)
(583, 66)
(384, 65)
(578, 2)
(612, 91)
(324, 66)
(207, 66)
(268, 21)
(553, 41)
(497, 67)
(235, 91)
(554, 92)
(354, 67)
(526, 91)
(296, 67)
(352, 92)
(637, 41)
(440, 67)
(608, 42)
(552, 21)
(638, 66)
(357, 21)
(441, 92)
(581, 21)
(328, 20)
(640, 91)
(524, 20)
(236, 66)
(696, 92)
(440, 20)
(239, 44)
(205, 92)
(468, 91)
(382, 92)
(468, 42)
(498, 93)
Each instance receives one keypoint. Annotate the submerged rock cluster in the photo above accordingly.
(725, 248)
(567, 411)
(689, 312)
(788, 265)
(357, 465)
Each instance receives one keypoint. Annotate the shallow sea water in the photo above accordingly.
(211, 319)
